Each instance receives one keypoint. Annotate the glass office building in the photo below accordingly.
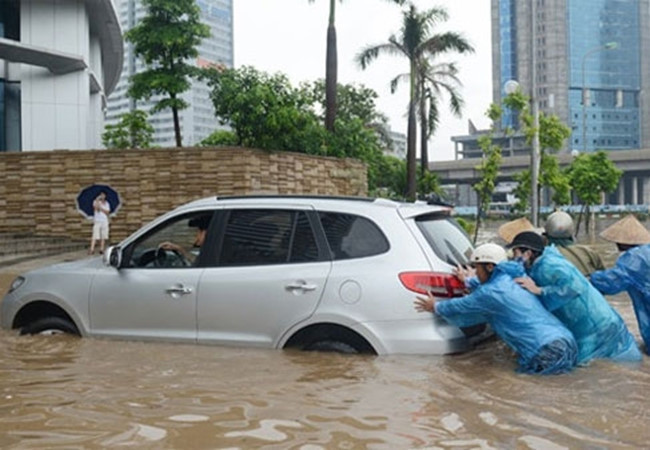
(591, 65)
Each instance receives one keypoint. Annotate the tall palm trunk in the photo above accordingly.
(331, 68)
(424, 136)
(411, 134)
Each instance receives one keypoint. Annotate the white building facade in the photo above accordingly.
(59, 60)
(198, 120)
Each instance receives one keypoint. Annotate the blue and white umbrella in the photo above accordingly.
(87, 196)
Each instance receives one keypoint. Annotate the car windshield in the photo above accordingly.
(447, 239)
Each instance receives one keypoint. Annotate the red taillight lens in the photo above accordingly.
(439, 284)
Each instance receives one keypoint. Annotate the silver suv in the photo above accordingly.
(314, 273)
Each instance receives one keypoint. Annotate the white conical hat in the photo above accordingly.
(628, 231)
(509, 230)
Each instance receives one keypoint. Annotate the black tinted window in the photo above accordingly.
(447, 239)
(303, 246)
(351, 236)
(262, 236)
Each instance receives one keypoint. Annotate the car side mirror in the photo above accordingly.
(113, 257)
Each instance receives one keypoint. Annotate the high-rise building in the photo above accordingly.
(197, 121)
(591, 66)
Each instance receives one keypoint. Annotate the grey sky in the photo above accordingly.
(289, 36)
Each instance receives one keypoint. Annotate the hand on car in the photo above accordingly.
(425, 304)
(463, 273)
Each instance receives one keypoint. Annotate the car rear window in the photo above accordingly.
(350, 236)
(447, 239)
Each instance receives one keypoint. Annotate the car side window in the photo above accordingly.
(350, 236)
(266, 236)
(174, 244)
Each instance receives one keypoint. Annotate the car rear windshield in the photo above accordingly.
(447, 239)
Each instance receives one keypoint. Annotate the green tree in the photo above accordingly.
(265, 111)
(591, 175)
(417, 43)
(218, 138)
(331, 66)
(552, 134)
(166, 39)
(489, 170)
(132, 131)
(435, 81)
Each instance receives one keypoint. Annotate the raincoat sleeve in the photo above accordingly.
(463, 311)
(560, 285)
(631, 270)
(610, 281)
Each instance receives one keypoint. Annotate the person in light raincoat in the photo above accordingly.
(598, 329)
(632, 270)
(543, 344)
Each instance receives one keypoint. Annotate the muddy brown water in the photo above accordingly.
(60, 392)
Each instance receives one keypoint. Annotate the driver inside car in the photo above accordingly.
(201, 224)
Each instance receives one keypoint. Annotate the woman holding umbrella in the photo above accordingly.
(101, 209)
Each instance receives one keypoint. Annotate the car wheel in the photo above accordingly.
(50, 326)
(331, 346)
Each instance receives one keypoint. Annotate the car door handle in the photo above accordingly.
(301, 286)
(178, 290)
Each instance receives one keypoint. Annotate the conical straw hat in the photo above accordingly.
(509, 230)
(628, 231)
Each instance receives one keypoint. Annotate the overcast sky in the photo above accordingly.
(289, 36)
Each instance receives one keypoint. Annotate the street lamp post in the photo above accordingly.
(591, 51)
(535, 151)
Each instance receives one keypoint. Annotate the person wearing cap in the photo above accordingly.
(631, 271)
(558, 230)
(543, 344)
(598, 329)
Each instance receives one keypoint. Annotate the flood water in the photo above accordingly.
(69, 393)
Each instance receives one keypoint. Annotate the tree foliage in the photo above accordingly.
(552, 134)
(166, 39)
(132, 131)
(591, 175)
(489, 170)
(419, 44)
(266, 112)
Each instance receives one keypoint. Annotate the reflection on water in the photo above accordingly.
(62, 392)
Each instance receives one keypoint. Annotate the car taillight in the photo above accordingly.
(439, 284)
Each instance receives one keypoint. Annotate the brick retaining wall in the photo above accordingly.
(38, 189)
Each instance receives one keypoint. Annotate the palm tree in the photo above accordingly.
(433, 82)
(418, 45)
(331, 66)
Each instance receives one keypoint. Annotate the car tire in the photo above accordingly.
(49, 326)
(331, 346)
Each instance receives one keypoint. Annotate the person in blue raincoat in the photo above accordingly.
(632, 270)
(598, 329)
(543, 344)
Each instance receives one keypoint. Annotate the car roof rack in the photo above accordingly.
(305, 196)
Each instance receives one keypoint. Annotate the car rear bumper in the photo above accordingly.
(425, 336)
